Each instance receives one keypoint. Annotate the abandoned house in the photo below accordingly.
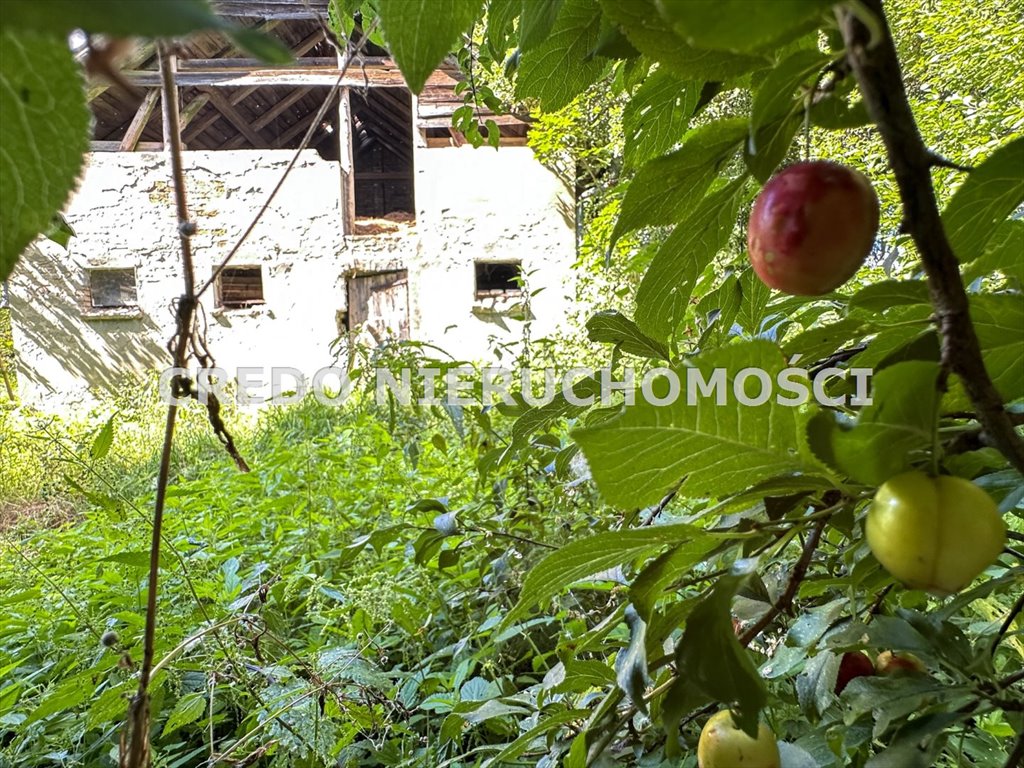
(390, 226)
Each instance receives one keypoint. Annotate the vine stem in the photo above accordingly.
(137, 753)
(876, 66)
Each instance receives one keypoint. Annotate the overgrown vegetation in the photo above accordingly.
(583, 585)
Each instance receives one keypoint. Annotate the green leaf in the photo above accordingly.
(774, 98)
(187, 710)
(879, 297)
(836, 113)
(559, 69)
(536, 21)
(612, 42)
(59, 231)
(520, 745)
(657, 115)
(890, 433)
(421, 32)
(594, 554)
(612, 327)
(732, 679)
(44, 134)
(999, 320)
(66, 697)
(639, 454)
(103, 440)
(665, 189)
(1001, 254)
(991, 192)
(776, 116)
(741, 25)
(654, 37)
(631, 661)
(120, 18)
(664, 293)
(650, 583)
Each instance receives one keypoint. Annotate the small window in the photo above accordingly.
(112, 288)
(498, 278)
(240, 287)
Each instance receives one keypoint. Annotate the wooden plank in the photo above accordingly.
(348, 189)
(445, 122)
(384, 175)
(372, 75)
(115, 146)
(169, 104)
(235, 118)
(272, 9)
(380, 304)
(192, 109)
(139, 122)
(208, 65)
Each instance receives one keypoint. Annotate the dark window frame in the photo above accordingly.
(492, 279)
(131, 302)
(235, 275)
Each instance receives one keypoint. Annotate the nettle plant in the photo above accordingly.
(764, 547)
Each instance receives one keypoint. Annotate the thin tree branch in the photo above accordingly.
(877, 69)
(785, 601)
(137, 753)
(1008, 622)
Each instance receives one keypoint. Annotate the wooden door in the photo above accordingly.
(378, 307)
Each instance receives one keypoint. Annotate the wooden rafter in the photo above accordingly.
(233, 116)
(139, 122)
(271, 114)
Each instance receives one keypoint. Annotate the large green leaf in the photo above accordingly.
(665, 188)
(711, 664)
(664, 292)
(639, 454)
(1002, 254)
(123, 18)
(520, 745)
(44, 134)
(421, 32)
(613, 327)
(991, 192)
(740, 25)
(999, 322)
(890, 433)
(559, 69)
(586, 557)
(656, 118)
(774, 97)
(536, 21)
(776, 116)
(653, 36)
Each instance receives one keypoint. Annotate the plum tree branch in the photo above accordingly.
(880, 78)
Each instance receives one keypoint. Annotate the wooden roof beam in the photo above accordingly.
(139, 122)
(271, 114)
(228, 73)
(234, 117)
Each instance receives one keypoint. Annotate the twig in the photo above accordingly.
(784, 602)
(137, 754)
(880, 78)
(1007, 623)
